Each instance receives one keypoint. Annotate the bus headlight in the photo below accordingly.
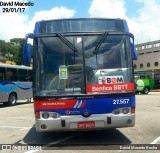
(116, 111)
(55, 115)
(45, 115)
(125, 110)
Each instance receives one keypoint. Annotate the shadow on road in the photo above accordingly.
(76, 139)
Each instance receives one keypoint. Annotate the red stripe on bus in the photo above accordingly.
(83, 104)
(110, 87)
(54, 104)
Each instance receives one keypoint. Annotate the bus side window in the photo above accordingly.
(2, 73)
(23, 75)
(142, 77)
(11, 74)
(30, 75)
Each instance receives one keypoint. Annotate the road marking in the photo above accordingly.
(155, 141)
(16, 127)
(53, 143)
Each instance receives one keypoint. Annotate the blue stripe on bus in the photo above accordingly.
(97, 106)
(5, 88)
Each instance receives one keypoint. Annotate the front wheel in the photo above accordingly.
(29, 100)
(145, 90)
(12, 100)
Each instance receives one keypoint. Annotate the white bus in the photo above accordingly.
(15, 83)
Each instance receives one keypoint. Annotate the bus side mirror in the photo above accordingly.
(27, 50)
(133, 48)
(134, 52)
(27, 54)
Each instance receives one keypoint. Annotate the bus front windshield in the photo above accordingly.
(67, 66)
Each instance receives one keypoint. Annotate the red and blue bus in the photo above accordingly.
(83, 74)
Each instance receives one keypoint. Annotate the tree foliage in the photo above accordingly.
(12, 50)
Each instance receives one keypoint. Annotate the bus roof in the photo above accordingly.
(82, 19)
(80, 25)
(15, 66)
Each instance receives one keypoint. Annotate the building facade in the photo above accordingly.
(148, 56)
(149, 60)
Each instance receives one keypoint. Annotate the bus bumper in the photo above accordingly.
(78, 122)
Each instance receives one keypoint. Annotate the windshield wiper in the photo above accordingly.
(100, 42)
(99, 45)
(67, 42)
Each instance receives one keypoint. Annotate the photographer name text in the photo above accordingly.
(14, 6)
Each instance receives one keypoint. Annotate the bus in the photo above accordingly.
(83, 77)
(15, 83)
(147, 80)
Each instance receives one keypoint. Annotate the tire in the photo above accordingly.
(29, 100)
(12, 100)
(145, 90)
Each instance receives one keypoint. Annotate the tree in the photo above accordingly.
(12, 50)
(18, 44)
(3, 50)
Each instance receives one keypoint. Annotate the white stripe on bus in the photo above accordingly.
(75, 106)
(80, 104)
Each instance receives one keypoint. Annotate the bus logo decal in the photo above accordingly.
(110, 79)
(70, 112)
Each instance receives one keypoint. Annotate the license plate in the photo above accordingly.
(88, 124)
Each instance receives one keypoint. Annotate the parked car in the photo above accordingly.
(144, 85)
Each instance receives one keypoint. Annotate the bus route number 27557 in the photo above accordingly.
(120, 101)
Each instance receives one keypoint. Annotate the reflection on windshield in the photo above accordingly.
(61, 70)
(68, 43)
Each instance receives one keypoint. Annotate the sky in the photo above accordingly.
(142, 16)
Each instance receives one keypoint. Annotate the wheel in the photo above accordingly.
(145, 90)
(29, 100)
(12, 100)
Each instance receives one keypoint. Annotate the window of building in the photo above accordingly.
(148, 64)
(148, 52)
(157, 45)
(141, 53)
(156, 51)
(135, 66)
(149, 46)
(156, 63)
(141, 65)
(142, 47)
